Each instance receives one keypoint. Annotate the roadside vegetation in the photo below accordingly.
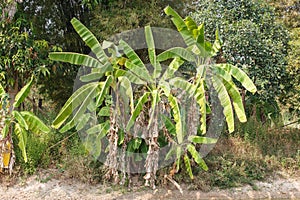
(249, 63)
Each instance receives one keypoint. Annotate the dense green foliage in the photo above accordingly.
(289, 13)
(21, 55)
(50, 21)
(253, 41)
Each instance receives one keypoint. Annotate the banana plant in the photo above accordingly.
(107, 77)
(18, 124)
(221, 77)
(163, 103)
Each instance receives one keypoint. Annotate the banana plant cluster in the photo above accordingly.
(136, 118)
(17, 124)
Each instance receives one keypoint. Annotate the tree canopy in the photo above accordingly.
(253, 40)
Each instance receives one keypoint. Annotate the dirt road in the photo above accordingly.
(36, 188)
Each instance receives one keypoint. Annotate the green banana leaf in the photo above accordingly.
(177, 118)
(35, 124)
(90, 40)
(224, 98)
(17, 115)
(151, 52)
(20, 97)
(198, 159)
(137, 110)
(22, 138)
(80, 98)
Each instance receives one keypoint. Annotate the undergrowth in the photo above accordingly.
(255, 151)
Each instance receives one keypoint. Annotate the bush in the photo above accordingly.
(254, 41)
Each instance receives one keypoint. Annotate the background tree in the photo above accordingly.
(289, 13)
(21, 56)
(114, 16)
(50, 21)
(254, 41)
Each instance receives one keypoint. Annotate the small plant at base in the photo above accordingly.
(18, 123)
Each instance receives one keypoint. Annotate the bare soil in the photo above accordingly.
(44, 186)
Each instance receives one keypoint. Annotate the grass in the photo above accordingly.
(254, 152)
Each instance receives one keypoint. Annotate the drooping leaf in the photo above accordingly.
(170, 153)
(141, 72)
(137, 110)
(86, 101)
(90, 40)
(121, 136)
(5, 130)
(224, 98)
(236, 100)
(184, 85)
(178, 156)
(219, 71)
(201, 101)
(97, 146)
(20, 97)
(35, 124)
(177, 118)
(17, 115)
(154, 102)
(169, 124)
(99, 129)
(187, 163)
(198, 159)
(83, 121)
(176, 52)
(93, 141)
(22, 138)
(240, 76)
(165, 86)
(80, 98)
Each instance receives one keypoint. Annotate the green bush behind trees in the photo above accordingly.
(254, 41)
(288, 12)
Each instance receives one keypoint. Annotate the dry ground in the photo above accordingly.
(43, 186)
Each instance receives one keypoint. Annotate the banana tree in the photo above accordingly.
(159, 98)
(163, 101)
(209, 75)
(18, 124)
(105, 79)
